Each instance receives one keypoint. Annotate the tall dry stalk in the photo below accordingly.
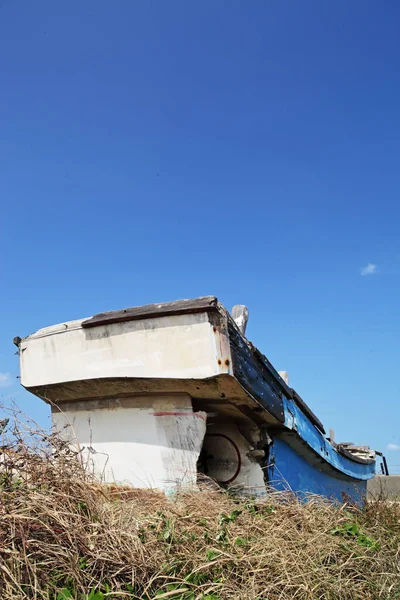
(62, 535)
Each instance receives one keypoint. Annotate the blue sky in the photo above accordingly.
(152, 151)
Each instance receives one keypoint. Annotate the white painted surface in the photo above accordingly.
(223, 465)
(240, 314)
(181, 346)
(153, 446)
(285, 376)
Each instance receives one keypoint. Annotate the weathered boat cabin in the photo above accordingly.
(159, 395)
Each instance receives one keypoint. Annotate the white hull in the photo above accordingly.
(180, 346)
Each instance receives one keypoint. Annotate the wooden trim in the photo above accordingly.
(149, 311)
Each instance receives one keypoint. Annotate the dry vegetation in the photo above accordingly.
(64, 536)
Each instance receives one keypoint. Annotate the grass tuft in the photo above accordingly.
(63, 536)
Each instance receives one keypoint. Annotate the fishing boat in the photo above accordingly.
(165, 395)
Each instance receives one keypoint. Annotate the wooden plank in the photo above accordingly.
(258, 381)
(288, 391)
(267, 365)
(256, 374)
(148, 311)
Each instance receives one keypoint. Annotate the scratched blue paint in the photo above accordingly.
(291, 472)
(302, 460)
(297, 422)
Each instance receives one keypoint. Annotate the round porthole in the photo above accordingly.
(221, 458)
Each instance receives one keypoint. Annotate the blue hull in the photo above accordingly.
(303, 461)
(300, 458)
(288, 471)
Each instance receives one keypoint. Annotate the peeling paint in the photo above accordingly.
(137, 446)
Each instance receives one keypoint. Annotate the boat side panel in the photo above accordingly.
(291, 472)
(258, 382)
(180, 346)
(316, 443)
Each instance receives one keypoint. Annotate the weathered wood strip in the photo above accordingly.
(258, 381)
(149, 311)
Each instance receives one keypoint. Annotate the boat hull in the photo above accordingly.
(100, 374)
(289, 471)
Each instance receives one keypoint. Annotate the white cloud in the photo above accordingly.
(5, 379)
(392, 447)
(370, 269)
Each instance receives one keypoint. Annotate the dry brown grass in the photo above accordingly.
(64, 536)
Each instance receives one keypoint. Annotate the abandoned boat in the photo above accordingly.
(156, 395)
